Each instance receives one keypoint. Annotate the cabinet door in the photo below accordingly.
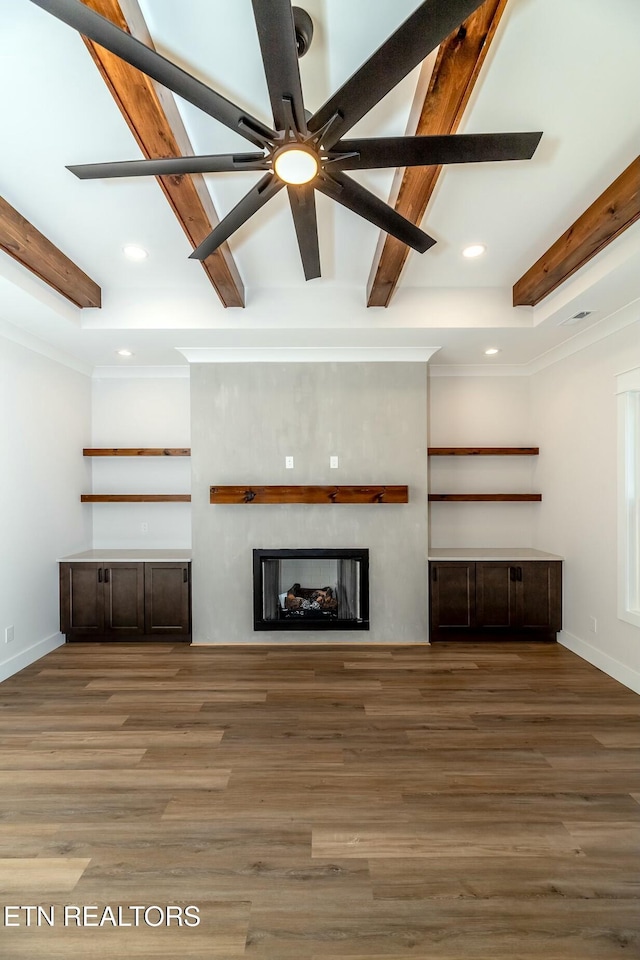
(497, 594)
(166, 598)
(453, 596)
(81, 598)
(540, 584)
(123, 599)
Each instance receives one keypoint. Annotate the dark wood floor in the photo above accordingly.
(443, 803)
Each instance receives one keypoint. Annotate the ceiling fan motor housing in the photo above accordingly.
(304, 30)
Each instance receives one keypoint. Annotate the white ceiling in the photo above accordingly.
(570, 69)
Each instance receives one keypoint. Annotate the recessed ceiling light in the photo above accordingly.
(491, 352)
(133, 252)
(474, 250)
(124, 353)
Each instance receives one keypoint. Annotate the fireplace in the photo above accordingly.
(311, 589)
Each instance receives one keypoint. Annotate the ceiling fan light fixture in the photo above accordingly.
(296, 164)
(474, 250)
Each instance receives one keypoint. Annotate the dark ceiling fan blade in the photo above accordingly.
(430, 151)
(97, 28)
(276, 33)
(250, 204)
(350, 194)
(170, 166)
(414, 40)
(303, 208)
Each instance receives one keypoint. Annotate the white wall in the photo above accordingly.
(574, 417)
(482, 412)
(141, 412)
(45, 420)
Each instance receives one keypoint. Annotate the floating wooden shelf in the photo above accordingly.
(136, 452)
(485, 497)
(310, 494)
(136, 498)
(483, 451)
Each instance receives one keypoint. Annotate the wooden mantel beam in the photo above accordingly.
(607, 217)
(152, 116)
(456, 70)
(24, 242)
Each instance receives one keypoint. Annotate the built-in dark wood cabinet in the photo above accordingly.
(540, 593)
(82, 598)
(166, 599)
(125, 601)
(495, 600)
(453, 595)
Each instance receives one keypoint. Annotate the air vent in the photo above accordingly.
(575, 318)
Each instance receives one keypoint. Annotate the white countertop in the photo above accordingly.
(131, 556)
(490, 553)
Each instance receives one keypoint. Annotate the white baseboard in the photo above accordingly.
(623, 674)
(26, 657)
(288, 642)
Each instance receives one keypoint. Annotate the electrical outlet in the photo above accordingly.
(288, 462)
(8, 634)
(144, 527)
(593, 625)
(333, 463)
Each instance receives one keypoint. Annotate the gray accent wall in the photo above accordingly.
(246, 418)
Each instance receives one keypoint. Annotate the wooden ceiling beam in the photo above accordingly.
(607, 217)
(153, 118)
(24, 242)
(456, 70)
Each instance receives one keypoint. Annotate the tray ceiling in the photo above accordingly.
(571, 70)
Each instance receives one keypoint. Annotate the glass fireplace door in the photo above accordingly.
(311, 589)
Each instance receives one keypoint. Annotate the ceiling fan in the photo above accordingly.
(304, 151)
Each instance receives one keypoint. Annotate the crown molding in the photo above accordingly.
(30, 342)
(141, 373)
(307, 354)
(607, 327)
(479, 370)
(604, 328)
